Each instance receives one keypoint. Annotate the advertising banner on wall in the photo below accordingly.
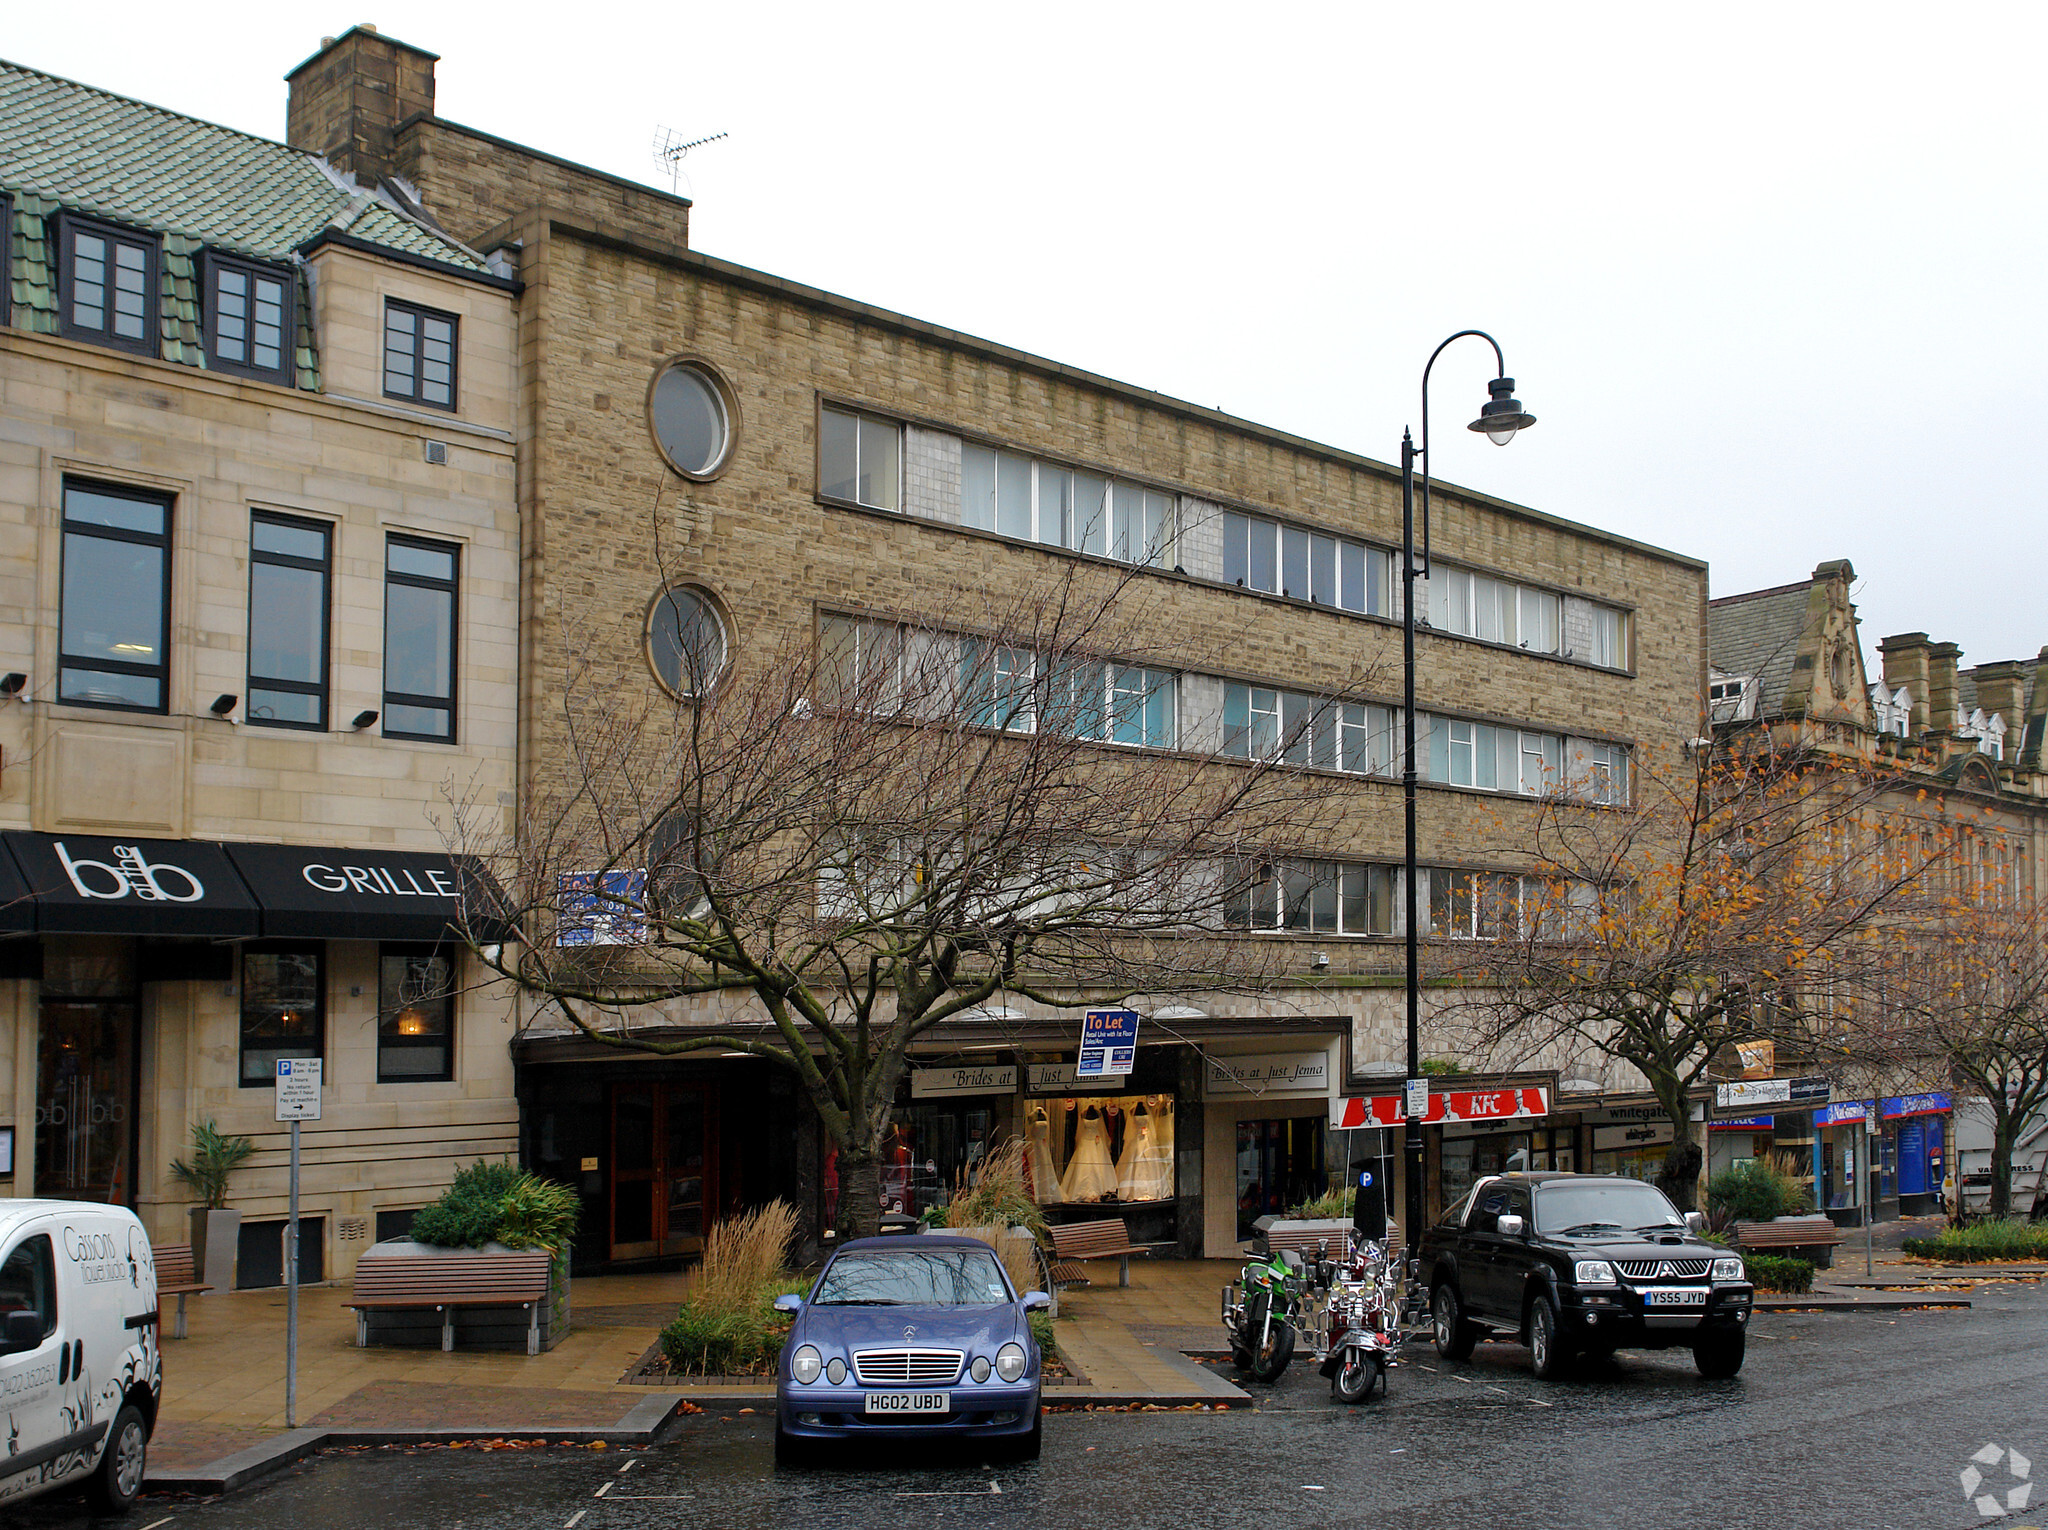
(1270, 1072)
(1456, 1105)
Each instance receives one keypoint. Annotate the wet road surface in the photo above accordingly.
(1861, 1420)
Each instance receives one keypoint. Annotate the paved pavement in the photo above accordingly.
(1839, 1419)
(224, 1388)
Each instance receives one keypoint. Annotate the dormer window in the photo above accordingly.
(1891, 712)
(1731, 698)
(108, 285)
(249, 320)
(6, 252)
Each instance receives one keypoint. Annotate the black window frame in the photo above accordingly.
(453, 585)
(318, 950)
(451, 953)
(69, 226)
(325, 568)
(285, 373)
(160, 671)
(419, 312)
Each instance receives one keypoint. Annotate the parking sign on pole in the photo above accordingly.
(297, 1098)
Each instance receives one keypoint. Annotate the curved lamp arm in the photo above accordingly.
(1500, 366)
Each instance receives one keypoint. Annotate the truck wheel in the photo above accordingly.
(1454, 1336)
(1718, 1353)
(1548, 1352)
(117, 1480)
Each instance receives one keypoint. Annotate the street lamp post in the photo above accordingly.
(1499, 420)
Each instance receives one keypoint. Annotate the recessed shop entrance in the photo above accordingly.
(664, 1157)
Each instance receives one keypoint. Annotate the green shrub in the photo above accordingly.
(499, 1203)
(715, 1340)
(1776, 1272)
(1755, 1190)
(1041, 1330)
(1994, 1238)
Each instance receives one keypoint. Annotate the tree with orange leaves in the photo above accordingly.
(1723, 902)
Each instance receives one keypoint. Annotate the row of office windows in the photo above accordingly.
(878, 666)
(1032, 500)
(114, 620)
(284, 1011)
(1337, 898)
(109, 292)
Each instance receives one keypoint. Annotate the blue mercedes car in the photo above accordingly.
(910, 1337)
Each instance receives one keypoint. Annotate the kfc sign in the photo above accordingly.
(1466, 1105)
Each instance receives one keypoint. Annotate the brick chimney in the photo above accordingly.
(2002, 688)
(1941, 684)
(1905, 664)
(348, 99)
(2033, 747)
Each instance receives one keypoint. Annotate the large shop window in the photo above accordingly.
(114, 622)
(1280, 1164)
(931, 1154)
(1110, 1149)
(419, 639)
(289, 562)
(415, 1014)
(284, 1009)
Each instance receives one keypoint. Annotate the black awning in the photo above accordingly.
(317, 892)
(88, 884)
(17, 907)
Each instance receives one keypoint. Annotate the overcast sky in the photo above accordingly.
(1770, 275)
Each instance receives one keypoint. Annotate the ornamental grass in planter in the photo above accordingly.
(727, 1325)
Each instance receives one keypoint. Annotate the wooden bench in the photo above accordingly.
(445, 1282)
(174, 1277)
(1079, 1241)
(1816, 1233)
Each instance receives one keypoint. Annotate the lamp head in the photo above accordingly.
(223, 704)
(12, 682)
(363, 719)
(1502, 415)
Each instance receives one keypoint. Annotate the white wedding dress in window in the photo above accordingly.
(1090, 1175)
(1146, 1172)
(1038, 1160)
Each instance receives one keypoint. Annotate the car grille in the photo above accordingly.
(1663, 1269)
(916, 1367)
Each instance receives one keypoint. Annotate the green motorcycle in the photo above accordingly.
(1260, 1310)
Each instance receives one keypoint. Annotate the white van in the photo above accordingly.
(80, 1368)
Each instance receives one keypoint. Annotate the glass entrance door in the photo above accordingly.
(664, 1169)
(85, 1095)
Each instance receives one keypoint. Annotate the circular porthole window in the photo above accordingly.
(693, 416)
(685, 640)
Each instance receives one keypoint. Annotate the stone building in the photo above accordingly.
(259, 548)
(831, 462)
(1965, 743)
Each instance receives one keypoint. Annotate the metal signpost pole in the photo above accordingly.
(291, 1295)
(296, 1098)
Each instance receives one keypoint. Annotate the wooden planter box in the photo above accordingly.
(478, 1327)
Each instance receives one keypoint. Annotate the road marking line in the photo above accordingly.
(606, 1488)
(627, 1467)
(571, 1525)
(994, 1490)
(164, 1521)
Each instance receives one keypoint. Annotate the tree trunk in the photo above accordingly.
(1680, 1177)
(2003, 1129)
(860, 1193)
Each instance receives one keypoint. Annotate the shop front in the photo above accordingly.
(156, 983)
(1467, 1135)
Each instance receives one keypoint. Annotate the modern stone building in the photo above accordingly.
(259, 543)
(1965, 744)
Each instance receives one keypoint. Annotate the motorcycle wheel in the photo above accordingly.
(1272, 1359)
(1354, 1378)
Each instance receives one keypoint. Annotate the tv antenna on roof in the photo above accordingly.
(669, 148)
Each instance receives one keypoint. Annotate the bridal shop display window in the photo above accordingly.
(1280, 1164)
(1100, 1149)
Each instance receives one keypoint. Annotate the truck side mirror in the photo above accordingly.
(1509, 1226)
(1695, 1222)
(24, 1332)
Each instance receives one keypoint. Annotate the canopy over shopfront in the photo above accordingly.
(82, 884)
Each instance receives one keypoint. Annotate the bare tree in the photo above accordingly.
(889, 823)
(1965, 1003)
(1720, 905)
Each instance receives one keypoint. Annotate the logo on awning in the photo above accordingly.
(130, 872)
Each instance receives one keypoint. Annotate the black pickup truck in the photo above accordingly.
(1582, 1264)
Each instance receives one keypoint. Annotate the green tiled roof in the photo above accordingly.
(68, 146)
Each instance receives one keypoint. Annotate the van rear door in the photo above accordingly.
(31, 1393)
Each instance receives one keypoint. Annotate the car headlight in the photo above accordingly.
(979, 1370)
(1010, 1361)
(835, 1370)
(1593, 1272)
(804, 1365)
(1729, 1269)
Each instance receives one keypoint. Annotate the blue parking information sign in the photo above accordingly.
(1109, 1043)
